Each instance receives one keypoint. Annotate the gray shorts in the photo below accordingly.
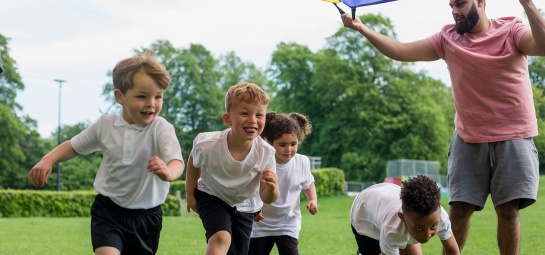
(506, 170)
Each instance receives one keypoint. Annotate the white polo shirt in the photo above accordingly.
(127, 148)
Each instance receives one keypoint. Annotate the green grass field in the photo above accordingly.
(328, 232)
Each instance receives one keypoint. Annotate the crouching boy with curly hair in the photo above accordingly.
(389, 219)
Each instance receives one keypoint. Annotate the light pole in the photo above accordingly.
(59, 135)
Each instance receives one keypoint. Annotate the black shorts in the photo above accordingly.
(131, 231)
(285, 244)
(366, 245)
(217, 215)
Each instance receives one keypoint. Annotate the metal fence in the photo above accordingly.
(399, 170)
(410, 167)
(353, 188)
(315, 162)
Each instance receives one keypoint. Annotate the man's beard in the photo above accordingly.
(470, 21)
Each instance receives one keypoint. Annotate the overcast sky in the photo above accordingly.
(80, 41)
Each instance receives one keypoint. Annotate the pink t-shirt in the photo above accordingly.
(490, 81)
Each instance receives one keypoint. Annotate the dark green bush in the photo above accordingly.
(177, 185)
(328, 181)
(29, 203)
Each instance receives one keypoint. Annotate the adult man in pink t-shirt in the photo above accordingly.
(492, 150)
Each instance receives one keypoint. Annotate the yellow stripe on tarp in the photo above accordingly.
(332, 1)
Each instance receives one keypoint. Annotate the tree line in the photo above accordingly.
(365, 108)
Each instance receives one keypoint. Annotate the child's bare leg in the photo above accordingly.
(218, 243)
(107, 250)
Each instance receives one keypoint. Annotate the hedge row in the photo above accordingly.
(328, 181)
(31, 203)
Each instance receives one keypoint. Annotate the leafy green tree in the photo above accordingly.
(20, 148)
(79, 173)
(233, 70)
(291, 70)
(10, 80)
(20, 143)
(34, 147)
(537, 77)
(11, 153)
(536, 67)
(539, 140)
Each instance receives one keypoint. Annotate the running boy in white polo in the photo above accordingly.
(232, 172)
(141, 155)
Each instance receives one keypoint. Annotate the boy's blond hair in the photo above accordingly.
(144, 63)
(245, 92)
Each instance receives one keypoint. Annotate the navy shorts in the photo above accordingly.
(131, 231)
(287, 245)
(507, 170)
(216, 215)
(366, 245)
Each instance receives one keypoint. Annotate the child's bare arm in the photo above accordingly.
(192, 176)
(39, 174)
(310, 193)
(410, 249)
(450, 247)
(166, 172)
(259, 216)
(268, 189)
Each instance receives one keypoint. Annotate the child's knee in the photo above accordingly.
(221, 237)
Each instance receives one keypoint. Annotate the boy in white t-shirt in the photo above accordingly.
(231, 173)
(280, 222)
(389, 219)
(141, 155)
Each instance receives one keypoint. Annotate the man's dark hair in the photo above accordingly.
(420, 195)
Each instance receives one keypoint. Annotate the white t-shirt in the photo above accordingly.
(235, 182)
(374, 214)
(127, 148)
(491, 87)
(283, 217)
